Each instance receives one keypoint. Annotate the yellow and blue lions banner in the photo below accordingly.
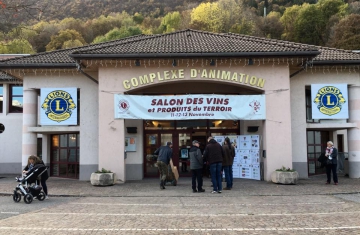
(58, 106)
(186, 107)
(329, 101)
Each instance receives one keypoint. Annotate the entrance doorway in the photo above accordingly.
(181, 133)
(316, 144)
(65, 155)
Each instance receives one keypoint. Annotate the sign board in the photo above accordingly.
(188, 107)
(329, 101)
(58, 106)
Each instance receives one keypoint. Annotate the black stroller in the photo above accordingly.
(28, 186)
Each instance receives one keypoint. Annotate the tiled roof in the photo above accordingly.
(188, 42)
(61, 57)
(333, 54)
(185, 43)
(6, 77)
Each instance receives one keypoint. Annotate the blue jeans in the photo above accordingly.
(216, 177)
(228, 176)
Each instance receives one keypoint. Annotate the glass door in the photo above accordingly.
(184, 145)
(151, 144)
(316, 144)
(65, 156)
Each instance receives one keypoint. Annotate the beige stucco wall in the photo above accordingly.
(88, 127)
(298, 112)
(277, 90)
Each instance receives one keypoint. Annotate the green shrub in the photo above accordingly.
(284, 169)
(103, 170)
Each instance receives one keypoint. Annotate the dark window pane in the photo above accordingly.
(71, 170)
(72, 155)
(55, 170)
(63, 155)
(72, 140)
(310, 137)
(62, 169)
(63, 141)
(55, 156)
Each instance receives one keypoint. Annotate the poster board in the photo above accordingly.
(130, 144)
(247, 155)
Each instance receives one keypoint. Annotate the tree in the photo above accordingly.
(347, 33)
(288, 21)
(170, 22)
(57, 41)
(117, 33)
(17, 46)
(271, 25)
(207, 16)
(309, 26)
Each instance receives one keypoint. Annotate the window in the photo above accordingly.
(16, 99)
(1, 98)
(308, 106)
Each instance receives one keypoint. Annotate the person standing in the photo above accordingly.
(32, 161)
(228, 160)
(214, 155)
(331, 163)
(164, 157)
(196, 167)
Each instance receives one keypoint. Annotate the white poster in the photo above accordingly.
(255, 171)
(329, 101)
(58, 106)
(245, 171)
(245, 157)
(219, 139)
(255, 144)
(245, 142)
(130, 144)
(237, 156)
(236, 171)
(255, 156)
(186, 107)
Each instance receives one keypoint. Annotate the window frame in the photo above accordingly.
(2, 96)
(11, 96)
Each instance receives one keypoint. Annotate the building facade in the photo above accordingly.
(188, 62)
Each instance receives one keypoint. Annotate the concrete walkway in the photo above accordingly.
(150, 187)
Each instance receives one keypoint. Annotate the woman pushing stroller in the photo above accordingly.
(32, 162)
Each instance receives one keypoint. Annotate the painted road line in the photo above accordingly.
(206, 215)
(180, 229)
(9, 212)
(203, 205)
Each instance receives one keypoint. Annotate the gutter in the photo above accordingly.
(334, 62)
(192, 55)
(78, 66)
(36, 66)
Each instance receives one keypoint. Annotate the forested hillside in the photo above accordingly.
(29, 26)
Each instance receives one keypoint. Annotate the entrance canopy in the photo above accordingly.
(187, 107)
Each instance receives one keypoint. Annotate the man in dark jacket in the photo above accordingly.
(214, 155)
(164, 157)
(196, 165)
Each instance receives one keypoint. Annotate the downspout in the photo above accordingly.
(78, 66)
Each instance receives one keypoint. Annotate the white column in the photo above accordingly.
(29, 139)
(354, 133)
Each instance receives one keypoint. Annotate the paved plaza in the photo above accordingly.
(140, 207)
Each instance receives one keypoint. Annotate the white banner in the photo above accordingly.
(329, 101)
(58, 106)
(186, 107)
